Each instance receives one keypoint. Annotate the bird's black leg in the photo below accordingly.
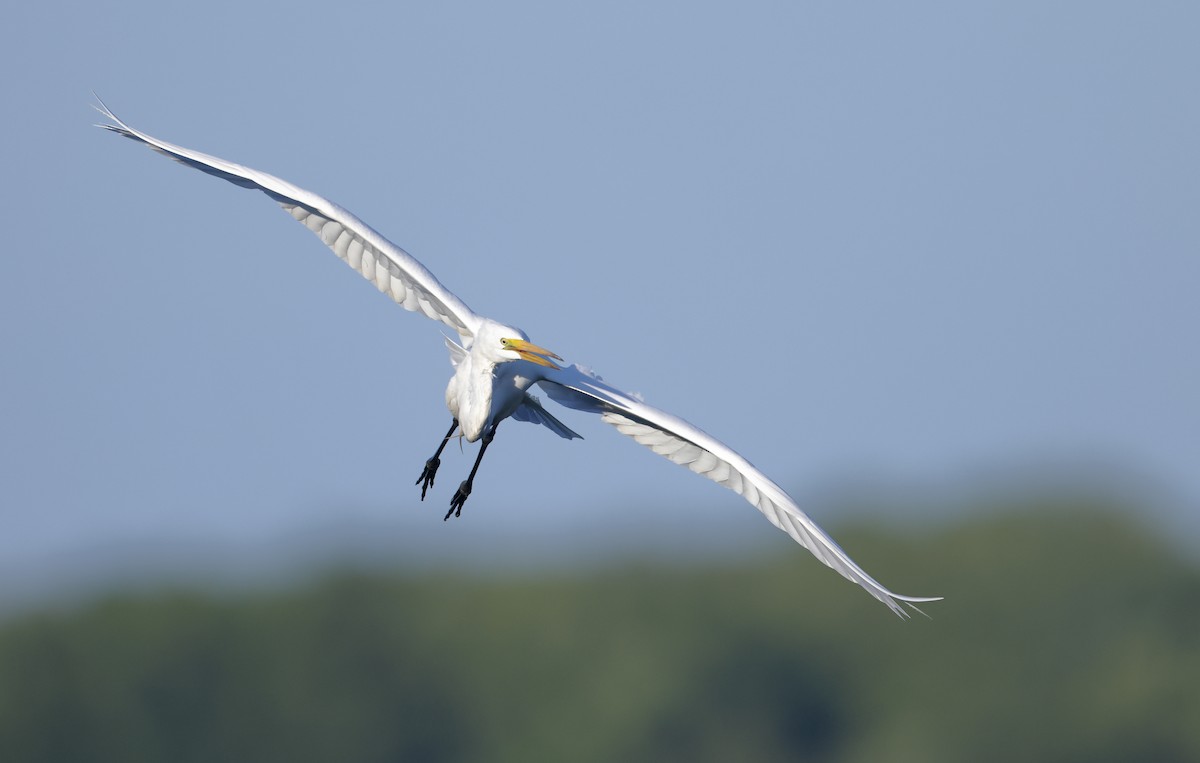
(431, 465)
(464, 490)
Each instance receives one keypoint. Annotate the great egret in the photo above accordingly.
(496, 364)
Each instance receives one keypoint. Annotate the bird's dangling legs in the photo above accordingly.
(431, 465)
(464, 490)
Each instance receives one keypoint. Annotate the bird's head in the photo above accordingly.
(502, 343)
(515, 348)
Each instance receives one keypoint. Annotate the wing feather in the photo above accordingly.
(394, 271)
(703, 454)
(531, 411)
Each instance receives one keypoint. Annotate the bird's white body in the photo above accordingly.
(495, 366)
(485, 390)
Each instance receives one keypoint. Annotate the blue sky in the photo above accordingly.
(912, 246)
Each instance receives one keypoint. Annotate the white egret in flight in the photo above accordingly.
(495, 365)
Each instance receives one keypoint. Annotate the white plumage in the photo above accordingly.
(496, 365)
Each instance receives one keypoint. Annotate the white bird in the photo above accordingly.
(495, 365)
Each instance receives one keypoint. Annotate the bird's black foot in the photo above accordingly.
(460, 497)
(426, 478)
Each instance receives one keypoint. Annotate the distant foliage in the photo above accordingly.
(1064, 637)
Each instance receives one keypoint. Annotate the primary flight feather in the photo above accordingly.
(495, 365)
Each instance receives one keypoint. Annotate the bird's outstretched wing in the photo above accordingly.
(393, 271)
(688, 446)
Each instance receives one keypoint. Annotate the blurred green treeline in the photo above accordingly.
(1065, 636)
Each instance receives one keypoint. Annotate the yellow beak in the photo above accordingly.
(534, 354)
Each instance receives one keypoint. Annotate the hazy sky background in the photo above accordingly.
(906, 246)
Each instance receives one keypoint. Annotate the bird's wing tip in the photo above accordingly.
(116, 124)
(911, 602)
(100, 106)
